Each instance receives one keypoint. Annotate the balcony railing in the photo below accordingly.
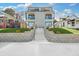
(39, 9)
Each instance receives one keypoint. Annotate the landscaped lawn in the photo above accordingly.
(14, 30)
(60, 31)
(73, 30)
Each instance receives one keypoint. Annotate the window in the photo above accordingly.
(73, 23)
(30, 24)
(31, 16)
(48, 24)
(48, 16)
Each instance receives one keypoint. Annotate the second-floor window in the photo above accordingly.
(48, 24)
(31, 16)
(48, 16)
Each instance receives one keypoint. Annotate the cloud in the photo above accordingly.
(77, 14)
(67, 11)
(51, 4)
(28, 5)
(62, 14)
(13, 7)
(72, 4)
(20, 5)
(57, 14)
(25, 5)
(56, 11)
(71, 13)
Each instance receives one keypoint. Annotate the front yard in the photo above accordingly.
(64, 30)
(14, 30)
(60, 31)
(73, 30)
(62, 35)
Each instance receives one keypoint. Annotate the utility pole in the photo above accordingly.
(53, 14)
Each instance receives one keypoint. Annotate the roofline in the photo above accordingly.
(39, 7)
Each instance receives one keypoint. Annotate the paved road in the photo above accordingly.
(39, 47)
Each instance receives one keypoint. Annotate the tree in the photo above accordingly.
(54, 23)
(10, 11)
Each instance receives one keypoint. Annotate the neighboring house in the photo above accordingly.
(6, 20)
(77, 24)
(22, 19)
(2, 21)
(68, 21)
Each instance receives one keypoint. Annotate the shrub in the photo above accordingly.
(17, 31)
(14, 30)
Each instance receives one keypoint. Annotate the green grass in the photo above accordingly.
(14, 30)
(74, 31)
(60, 31)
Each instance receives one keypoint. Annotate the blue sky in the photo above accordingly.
(58, 7)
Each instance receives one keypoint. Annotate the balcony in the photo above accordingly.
(39, 9)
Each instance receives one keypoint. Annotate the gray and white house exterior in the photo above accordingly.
(39, 16)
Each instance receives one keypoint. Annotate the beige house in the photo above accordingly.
(68, 21)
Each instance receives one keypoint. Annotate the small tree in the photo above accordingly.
(10, 11)
(54, 23)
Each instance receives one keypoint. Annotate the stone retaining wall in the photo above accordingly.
(17, 37)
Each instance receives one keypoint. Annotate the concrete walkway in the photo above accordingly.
(38, 47)
(39, 35)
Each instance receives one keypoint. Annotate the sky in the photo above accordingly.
(60, 8)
